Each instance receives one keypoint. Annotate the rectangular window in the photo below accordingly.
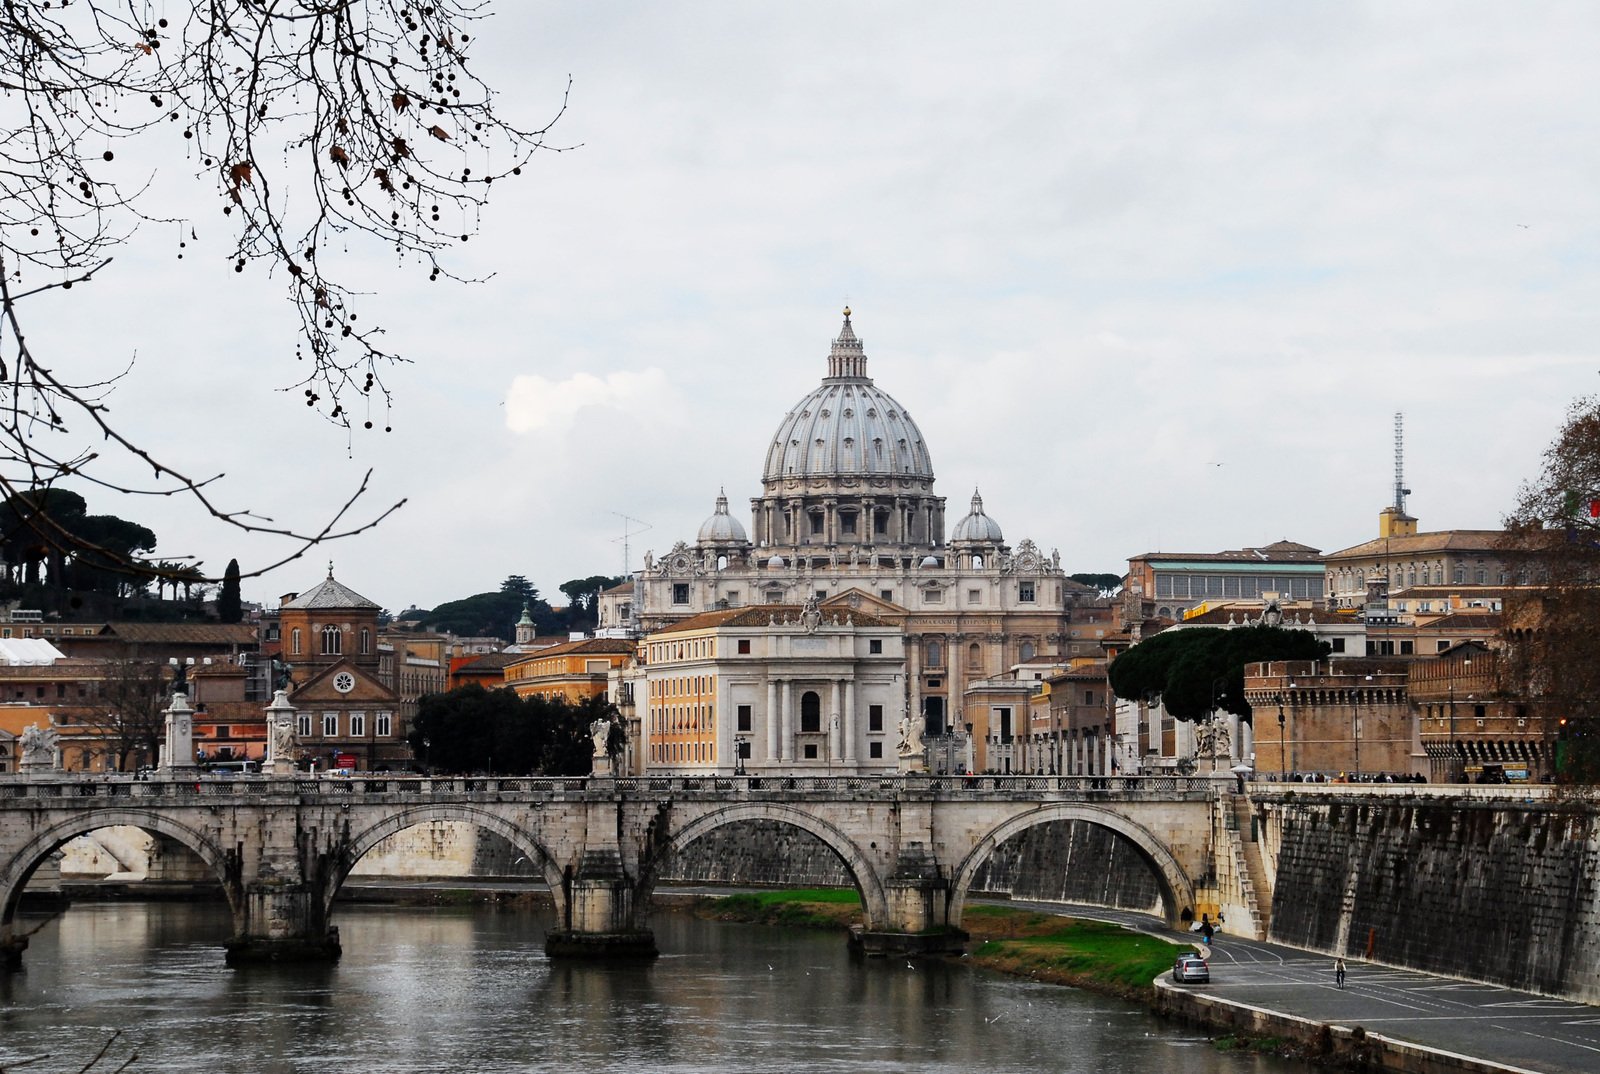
(822, 594)
(934, 684)
(875, 750)
(1443, 645)
(816, 523)
(874, 717)
(811, 753)
(358, 724)
(933, 596)
(744, 646)
(847, 522)
(330, 724)
(974, 596)
(733, 598)
(1406, 648)
(1338, 645)
(875, 645)
(886, 594)
(745, 718)
(385, 724)
(680, 592)
(880, 522)
(1025, 592)
(596, 667)
(302, 724)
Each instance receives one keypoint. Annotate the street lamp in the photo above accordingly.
(1283, 768)
(738, 756)
(426, 742)
(833, 739)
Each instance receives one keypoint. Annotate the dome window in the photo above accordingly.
(849, 413)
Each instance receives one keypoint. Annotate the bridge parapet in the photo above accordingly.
(588, 789)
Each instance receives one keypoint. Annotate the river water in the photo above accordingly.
(468, 989)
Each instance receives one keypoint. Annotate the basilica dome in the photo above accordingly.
(847, 427)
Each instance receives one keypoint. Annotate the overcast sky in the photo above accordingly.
(1152, 276)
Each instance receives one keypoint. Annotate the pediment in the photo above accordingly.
(322, 688)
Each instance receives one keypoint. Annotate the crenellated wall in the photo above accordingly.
(1502, 888)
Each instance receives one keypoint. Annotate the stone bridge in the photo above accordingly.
(282, 848)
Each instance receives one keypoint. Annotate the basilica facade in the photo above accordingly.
(849, 521)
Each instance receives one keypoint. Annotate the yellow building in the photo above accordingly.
(573, 671)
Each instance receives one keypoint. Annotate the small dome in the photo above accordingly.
(721, 527)
(930, 561)
(977, 526)
(776, 563)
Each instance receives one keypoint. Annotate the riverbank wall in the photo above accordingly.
(1498, 890)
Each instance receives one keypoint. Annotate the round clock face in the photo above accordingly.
(344, 682)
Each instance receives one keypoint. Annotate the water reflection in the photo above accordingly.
(469, 989)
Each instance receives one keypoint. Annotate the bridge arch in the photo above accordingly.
(874, 903)
(523, 840)
(1177, 893)
(17, 870)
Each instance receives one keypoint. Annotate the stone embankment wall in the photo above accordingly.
(1070, 861)
(445, 848)
(1504, 891)
(758, 853)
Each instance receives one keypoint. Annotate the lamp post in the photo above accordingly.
(738, 755)
(1283, 757)
(833, 739)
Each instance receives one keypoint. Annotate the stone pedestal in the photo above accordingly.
(279, 760)
(284, 924)
(601, 914)
(177, 756)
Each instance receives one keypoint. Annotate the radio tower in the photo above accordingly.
(1400, 490)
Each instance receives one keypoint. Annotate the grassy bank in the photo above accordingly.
(807, 908)
(1063, 950)
(1043, 947)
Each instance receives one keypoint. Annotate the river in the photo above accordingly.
(469, 989)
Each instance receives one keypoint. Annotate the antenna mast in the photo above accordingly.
(627, 521)
(1400, 490)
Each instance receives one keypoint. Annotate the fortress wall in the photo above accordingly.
(1500, 891)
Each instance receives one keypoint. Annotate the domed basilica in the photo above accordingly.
(849, 526)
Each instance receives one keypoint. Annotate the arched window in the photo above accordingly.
(810, 712)
(294, 641)
(974, 656)
(332, 641)
(366, 641)
(977, 563)
(1027, 651)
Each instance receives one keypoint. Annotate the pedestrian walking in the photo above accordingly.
(1338, 972)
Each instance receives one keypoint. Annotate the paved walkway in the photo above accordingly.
(1515, 1029)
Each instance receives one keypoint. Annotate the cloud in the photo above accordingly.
(536, 404)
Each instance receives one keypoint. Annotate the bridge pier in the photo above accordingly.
(11, 948)
(916, 893)
(284, 922)
(602, 907)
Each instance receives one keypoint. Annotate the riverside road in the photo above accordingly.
(1517, 1030)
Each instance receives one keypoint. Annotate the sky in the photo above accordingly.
(1151, 276)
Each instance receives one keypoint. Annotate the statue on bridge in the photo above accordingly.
(39, 747)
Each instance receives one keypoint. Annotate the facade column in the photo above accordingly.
(850, 729)
(914, 683)
(772, 719)
(786, 739)
(835, 714)
(830, 523)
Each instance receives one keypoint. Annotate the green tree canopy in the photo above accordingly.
(495, 614)
(471, 729)
(583, 596)
(1106, 583)
(1191, 669)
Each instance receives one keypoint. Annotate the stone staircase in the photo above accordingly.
(1255, 868)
